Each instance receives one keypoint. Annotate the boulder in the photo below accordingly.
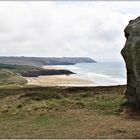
(131, 55)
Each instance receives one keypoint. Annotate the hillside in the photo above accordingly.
(8, 77)
(66, 113)
(12, 74)
(40, 61)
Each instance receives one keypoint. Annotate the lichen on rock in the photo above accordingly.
(131, 55)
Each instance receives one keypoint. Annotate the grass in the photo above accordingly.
(63, 98)
(58, 112)
(10, 70)
(19, 68)
(8, 77)
(65, 112)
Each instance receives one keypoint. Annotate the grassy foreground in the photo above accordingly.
(66, 112)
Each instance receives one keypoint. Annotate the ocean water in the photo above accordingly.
(101, 73)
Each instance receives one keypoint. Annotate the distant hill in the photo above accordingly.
(40, 61)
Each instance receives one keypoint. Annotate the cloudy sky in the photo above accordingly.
(93, 29)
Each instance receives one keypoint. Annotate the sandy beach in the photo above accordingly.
(57, 80)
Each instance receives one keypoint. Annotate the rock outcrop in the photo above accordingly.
(131, 55)
(46, 72)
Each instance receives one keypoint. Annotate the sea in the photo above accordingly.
(101, 73)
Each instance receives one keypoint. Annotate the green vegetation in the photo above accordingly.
(20, 69)
(8, 77)
(32, 71)
(11, 74)
(63, 112)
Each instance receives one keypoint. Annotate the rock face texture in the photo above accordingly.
(131, 55)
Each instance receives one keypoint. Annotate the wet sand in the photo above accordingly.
(57, 80)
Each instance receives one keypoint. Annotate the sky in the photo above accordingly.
(61, 29)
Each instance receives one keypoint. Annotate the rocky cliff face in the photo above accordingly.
(131, 55)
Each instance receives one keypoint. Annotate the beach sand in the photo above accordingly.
(57, 80)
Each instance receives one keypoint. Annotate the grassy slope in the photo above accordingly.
(19, 68)
(10, 74)
(8, 77)
(32, 71)
(62, 112)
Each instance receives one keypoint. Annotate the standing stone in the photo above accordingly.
(131, 55)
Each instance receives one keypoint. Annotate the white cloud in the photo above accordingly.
(93, 29)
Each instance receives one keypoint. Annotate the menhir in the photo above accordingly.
(131, 55)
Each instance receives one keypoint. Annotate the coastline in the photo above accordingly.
(71, 80)
(58, 80)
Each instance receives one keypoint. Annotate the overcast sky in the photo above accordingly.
(93, 29)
